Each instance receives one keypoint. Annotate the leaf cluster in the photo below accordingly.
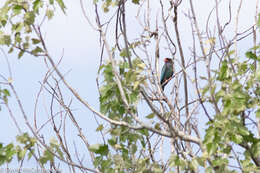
(238, 98)
(22, 18)
(124, 144)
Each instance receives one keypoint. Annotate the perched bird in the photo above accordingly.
(167, 72)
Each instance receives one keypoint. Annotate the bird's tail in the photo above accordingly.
(163, 87)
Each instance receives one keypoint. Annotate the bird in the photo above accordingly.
(167, 72)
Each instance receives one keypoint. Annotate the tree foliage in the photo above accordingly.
(212, 81)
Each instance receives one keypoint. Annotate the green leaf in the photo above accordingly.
(133, 148)
(3, 22)
(99, 149)
(20, 54)
(103, 150)
(53, 142)
(203, 78)
(112, 141)
(26, 140)
(251, 55)
(209, 137)
(62, 5)
(220, 162)
(28, 28)
(35, 41)
(257, 114)
(30, 154)
(36, 5)
(5, 40)
(9, 151)
(231, 52)
(136, 84)
(176, 161)
(43, 160)
(6, 92)
(211, 148)
(223, 71)
(256, 149)
(123, 53)
(116, 131)
(18, 38)
(209, 170)
(17, 9)
(157, 126)
(150, 116)
(49, 14)
(101, 67)
(17, 27)
(243, 131)
(55, 146)
(25, 45)
(21, 154)
(236, 138)
(201, 161)
(29, 18)
(47, 156)
(135, 1)
(227, 149)
(37, 50)
(100, 127)
(144, 132)
(27, 38)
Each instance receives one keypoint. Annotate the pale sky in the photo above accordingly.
(80, 43)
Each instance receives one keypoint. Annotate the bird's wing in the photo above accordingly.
(163, 74)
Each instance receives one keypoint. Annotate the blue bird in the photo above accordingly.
(167, 72)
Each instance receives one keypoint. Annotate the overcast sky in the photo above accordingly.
(80, 43)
